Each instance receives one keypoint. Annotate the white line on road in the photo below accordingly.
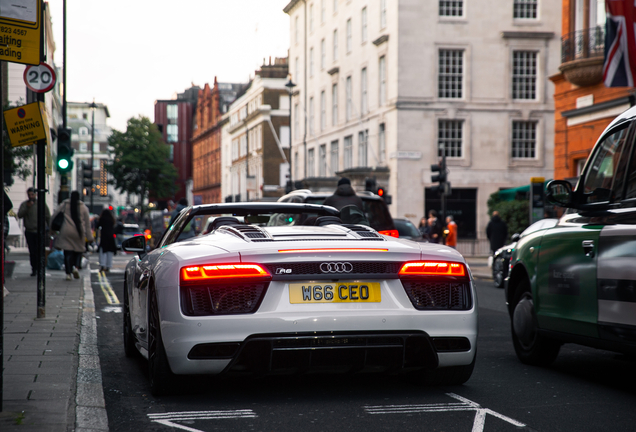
(168, 419)
(464, 405)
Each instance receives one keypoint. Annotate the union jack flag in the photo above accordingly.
(619, 68)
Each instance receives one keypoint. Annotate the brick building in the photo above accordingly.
(206, 140)
(174, 119)
(583, 105)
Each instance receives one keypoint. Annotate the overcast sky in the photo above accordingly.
(127, 54)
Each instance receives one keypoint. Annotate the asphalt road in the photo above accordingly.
(584, 390)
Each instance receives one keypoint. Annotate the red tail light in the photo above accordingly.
(432, 268)
(390, 233)
(210, 272)
(138, 234)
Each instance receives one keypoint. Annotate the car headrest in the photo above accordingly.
(223, 220)
(327, 220)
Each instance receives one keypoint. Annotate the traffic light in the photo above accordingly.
(439, 177)
(87, 175)
(370, 185)
(64, 150)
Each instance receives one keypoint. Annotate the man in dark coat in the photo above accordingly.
(344, 196)
(496, 231)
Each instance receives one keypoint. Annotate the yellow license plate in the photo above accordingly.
(341, 292)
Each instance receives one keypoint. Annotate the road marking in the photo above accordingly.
(111, 298)
(168, 419)
(463, 405)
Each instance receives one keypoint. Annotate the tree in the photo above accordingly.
(140, 163)
(15, 158)
(515, 213)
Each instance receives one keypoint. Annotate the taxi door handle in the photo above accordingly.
(588, 248)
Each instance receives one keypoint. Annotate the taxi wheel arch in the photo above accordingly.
(159, 373)
(530, 345)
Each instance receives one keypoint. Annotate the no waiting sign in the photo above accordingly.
(39, 78)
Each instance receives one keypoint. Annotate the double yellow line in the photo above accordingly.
(107, 289)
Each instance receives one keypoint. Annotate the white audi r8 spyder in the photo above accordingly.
(296, 288)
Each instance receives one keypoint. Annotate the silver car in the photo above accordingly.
(291, 288)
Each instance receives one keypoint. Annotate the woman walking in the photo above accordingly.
(107, 246)
(74, 233)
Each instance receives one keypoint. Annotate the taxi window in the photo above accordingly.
(605, 174)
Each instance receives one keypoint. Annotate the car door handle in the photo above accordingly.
(588, 248)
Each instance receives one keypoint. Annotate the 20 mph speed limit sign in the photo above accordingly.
(39, 78)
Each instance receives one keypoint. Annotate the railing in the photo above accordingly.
(583, 44)
(480, 247)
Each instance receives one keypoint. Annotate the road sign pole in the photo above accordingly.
(2, 240)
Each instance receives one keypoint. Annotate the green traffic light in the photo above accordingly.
(62, 164)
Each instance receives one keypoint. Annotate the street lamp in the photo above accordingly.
(290, 86)
(92, 107)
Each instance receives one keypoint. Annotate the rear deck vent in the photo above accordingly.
(247, 232)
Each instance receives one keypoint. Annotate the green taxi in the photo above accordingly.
(576, 282)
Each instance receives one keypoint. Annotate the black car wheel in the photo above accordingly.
(129, 335)
(161, 377)
(531, 347)
(498, 272)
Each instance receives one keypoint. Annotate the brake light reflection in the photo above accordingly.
(390, 233)
(432, 268)
(222, 271)
(332, 250)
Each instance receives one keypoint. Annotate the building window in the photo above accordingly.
(363, 148)
(83, 131)
(323, 110)
(170, 155)
(363, 25)
(449, 138)
(311, 163)
(243, 145)
(296, 165)
(451, 8)
(296, 29)
(311, 62)
(524, 139)
(364, 105)
(524, 75)
(335, 45)
(322, 161)
(311, 116)
(382, 81)
(349, 102)
(172, 112)
(323, 54)
(297, 69)
(348, 152)
(323, 11)
(235, 149)
(382, 142)
(349, 35)
(296, 122)
(173, 133)
(334, 157)
(451, 73)
(334, 105)
(525, 9)
(311, 17)
(335, 6)
(83, 147)
(382, 14)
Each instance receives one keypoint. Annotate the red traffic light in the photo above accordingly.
(110, 207)
(381, 192)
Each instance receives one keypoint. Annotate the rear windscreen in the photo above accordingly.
(375, 210)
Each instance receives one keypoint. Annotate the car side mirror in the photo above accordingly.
(135, 244)
(559, 192)
(515, 237)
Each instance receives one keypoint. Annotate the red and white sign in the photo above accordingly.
(39, 78)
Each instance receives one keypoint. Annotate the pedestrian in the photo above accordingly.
(496, 231)
(436, 230)
(107, 247)
(28, 211)
(451, 237)
(344, 195)
(424, 228)
(74, 233)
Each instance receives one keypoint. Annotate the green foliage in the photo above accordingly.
(140, 161)
(16, 158)
(515, 213)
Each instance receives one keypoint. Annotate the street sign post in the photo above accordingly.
(40, 78)
(20, 31)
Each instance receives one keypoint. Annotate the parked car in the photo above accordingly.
(375, 209)
(270, 295)
(407, 230)
(126, 231)
(574, 282)
(501, 257)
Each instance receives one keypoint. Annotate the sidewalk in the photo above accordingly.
(52, 377)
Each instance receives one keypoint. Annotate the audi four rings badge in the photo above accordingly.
(336, 267)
